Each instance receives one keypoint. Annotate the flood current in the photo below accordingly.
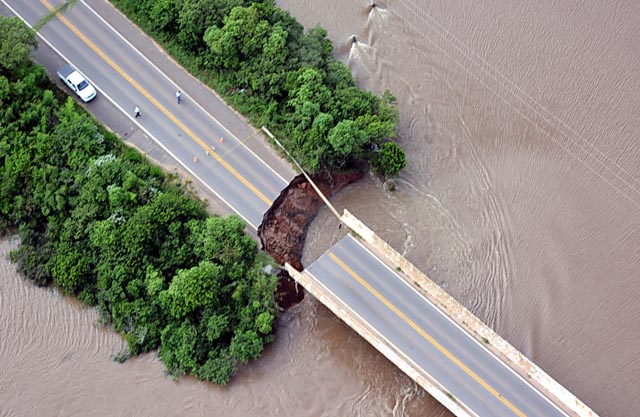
(521, 198)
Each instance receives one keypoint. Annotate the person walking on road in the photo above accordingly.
(178, 96)
(136, 112)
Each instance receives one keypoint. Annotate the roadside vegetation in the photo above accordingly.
(102, 223)
(263, 63)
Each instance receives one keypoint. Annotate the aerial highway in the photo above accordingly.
(215, 153)
(122, 74)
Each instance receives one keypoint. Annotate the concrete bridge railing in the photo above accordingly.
(370, 335)
(510, 355)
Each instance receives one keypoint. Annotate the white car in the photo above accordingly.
(76, 81)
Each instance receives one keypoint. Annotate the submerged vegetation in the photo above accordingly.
(103, 224)
(264, 64)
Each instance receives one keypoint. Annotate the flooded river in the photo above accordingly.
(521, 198)
(522, 193)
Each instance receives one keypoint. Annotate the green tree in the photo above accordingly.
(338, 76)
(240, 38)
(70, 268)
(163, 15)
(274, 51)
(387, 109)
(307, 85)
(222, 241)
(217, 326)
(192, 289)
(178, 348)
(246, 345)
(347, 141)
(307, 96)
(219, 367)
(375, 128)
(265, 73)
(264, 322)
(195, 16)
(154, 281)
(311, 149)
(16, 42)
(350, 103)
(145, 324)
(392, 159)
(316, 49)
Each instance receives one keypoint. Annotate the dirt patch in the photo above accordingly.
(284, 226)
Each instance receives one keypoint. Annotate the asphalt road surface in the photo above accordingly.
(123, 75)
(191, 133)
(424, 335)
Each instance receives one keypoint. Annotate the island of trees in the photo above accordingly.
(103, 224)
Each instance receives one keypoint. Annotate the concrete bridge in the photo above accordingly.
(414, 323)
(426, 333)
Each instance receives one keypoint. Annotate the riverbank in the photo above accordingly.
(56, 359)
(284, 226)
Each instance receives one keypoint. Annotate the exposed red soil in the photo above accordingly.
(284, 225)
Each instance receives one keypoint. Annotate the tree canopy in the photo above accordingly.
(102, 223)
(264, 63)
(16, 42)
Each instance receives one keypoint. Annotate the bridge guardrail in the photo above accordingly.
(467, 320)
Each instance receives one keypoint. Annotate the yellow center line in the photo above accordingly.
(155, 102)
(426, 336)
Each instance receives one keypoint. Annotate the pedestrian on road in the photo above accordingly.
(178, 96)
(136, 111)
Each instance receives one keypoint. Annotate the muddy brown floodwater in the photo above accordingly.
(522, 193)
(56, 361)
(521, 198)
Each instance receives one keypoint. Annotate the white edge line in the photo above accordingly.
(397, 350)
(185, 166)
(463, 330)
(183, 91)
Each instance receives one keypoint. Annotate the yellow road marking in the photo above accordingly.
(155, 102)
(428, 337)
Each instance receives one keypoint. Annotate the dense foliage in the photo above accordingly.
(392, 159)
(263, 62)
(102, 223)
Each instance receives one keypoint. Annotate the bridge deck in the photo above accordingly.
(473, 380)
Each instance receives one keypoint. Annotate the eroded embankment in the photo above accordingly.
(284, 226)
